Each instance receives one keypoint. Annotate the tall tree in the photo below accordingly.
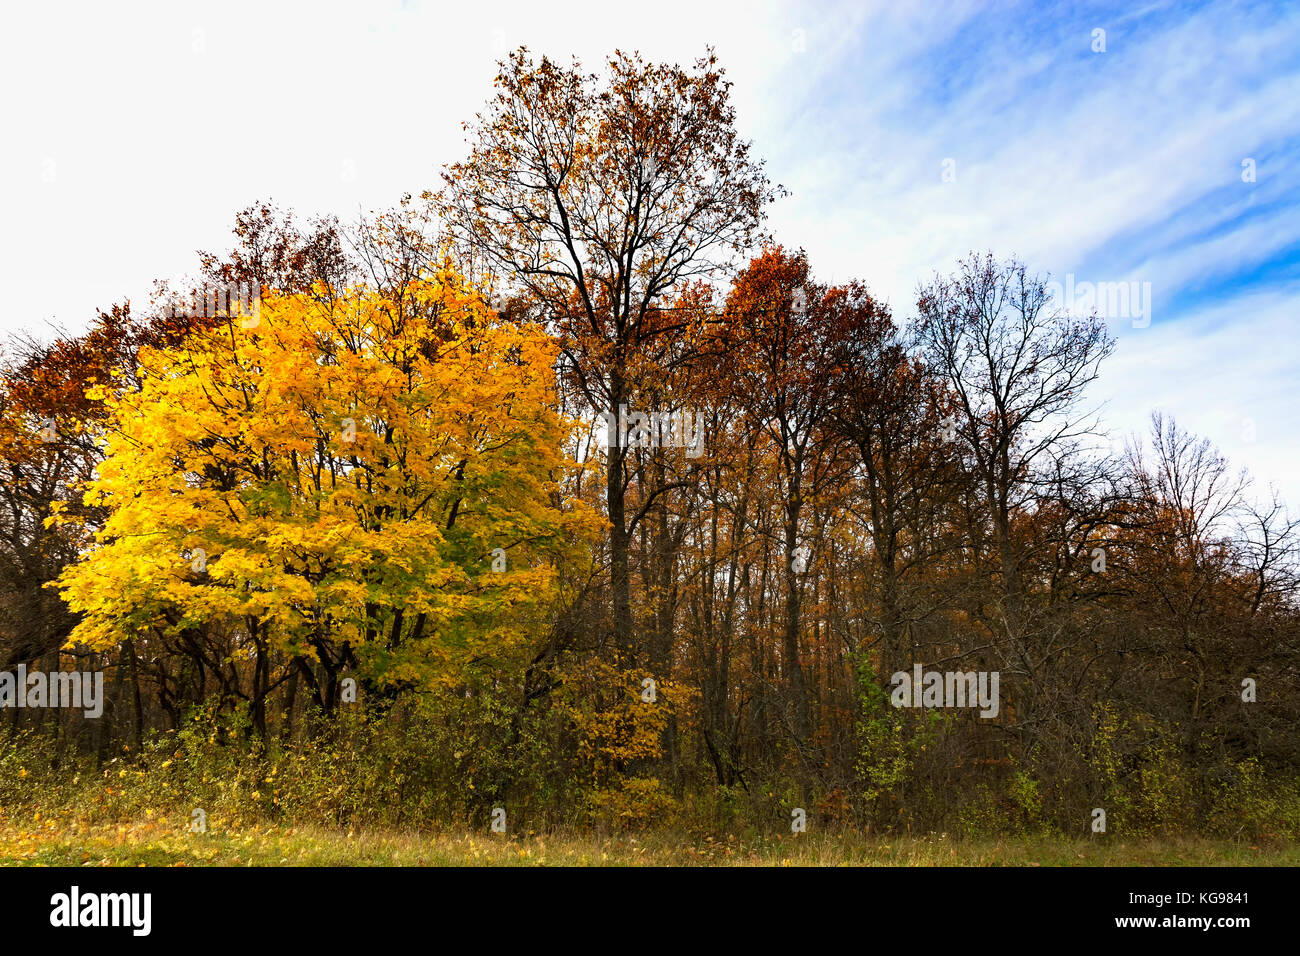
(334, 482)
(1018, 367)
(782, 325)
(597, 198)
(890, 409)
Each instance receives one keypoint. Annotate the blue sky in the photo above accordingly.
(1115, 166)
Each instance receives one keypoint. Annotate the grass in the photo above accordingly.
(70, 841)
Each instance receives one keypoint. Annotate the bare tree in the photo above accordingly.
(597, 199)
(1018, 367)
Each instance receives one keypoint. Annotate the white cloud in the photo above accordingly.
(155, 127)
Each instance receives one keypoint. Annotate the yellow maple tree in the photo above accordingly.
(359, 480)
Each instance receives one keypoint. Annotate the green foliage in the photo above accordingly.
(1247, 805)
(1145, 784)
(887, 747)
(1024, 793)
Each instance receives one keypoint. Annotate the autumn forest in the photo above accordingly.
(564, 494)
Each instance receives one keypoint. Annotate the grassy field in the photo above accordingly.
(72, 842)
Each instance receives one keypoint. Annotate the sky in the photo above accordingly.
(1155, 144)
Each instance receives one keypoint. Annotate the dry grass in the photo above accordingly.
(68, 841)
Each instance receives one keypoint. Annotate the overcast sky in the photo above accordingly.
(1163, 151)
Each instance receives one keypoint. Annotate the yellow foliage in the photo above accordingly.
(338, 471)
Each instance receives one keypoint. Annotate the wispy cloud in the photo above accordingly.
(1122, 165)
(1116, 165)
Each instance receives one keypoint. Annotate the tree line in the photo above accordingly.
(432, 481)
